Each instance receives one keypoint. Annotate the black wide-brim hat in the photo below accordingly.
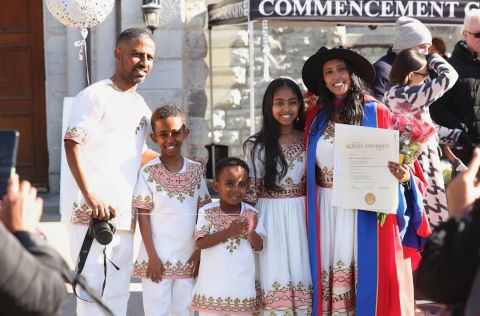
(313, 67)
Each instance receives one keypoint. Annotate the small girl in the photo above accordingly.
(276, 158)
(169, 191)
(227, 232)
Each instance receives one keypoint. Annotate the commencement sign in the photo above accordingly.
(342, 11)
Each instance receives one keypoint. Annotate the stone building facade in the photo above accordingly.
(289, 45)
(178, 76)
(181, 70)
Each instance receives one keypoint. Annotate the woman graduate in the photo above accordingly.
(358, 264)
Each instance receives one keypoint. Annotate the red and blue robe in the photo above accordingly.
(386, 253)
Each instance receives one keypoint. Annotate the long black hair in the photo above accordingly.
(407, 60)
(352, 111)
(267, 137)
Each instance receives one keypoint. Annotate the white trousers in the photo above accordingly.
(168, 297)
(120, 252)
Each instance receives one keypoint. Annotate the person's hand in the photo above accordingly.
(155, 269)
(100, 210)
(21, 208)
(194, 260)
(464, 189)
(401, 172)
(237, 227)
(252, 223)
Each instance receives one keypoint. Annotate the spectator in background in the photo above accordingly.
(31, 280)
(438, 46)
(460, 107)
(449, 272)
(409, 33)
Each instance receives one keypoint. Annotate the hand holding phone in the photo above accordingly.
(8, 157)
(20, 207)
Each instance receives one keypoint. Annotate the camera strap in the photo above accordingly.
(82, 258)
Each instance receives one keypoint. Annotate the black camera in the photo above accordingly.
(101, 230)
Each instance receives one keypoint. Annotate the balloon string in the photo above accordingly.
(84, 47)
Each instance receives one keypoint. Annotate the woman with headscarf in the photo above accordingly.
(358, 265)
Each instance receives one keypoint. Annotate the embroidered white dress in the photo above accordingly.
(283, 267)
(226, 279)
(338, 228)
(111, 126)
(173, 200)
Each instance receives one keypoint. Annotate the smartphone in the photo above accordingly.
(8, 157)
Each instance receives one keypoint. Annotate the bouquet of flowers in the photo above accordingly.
(414, 131)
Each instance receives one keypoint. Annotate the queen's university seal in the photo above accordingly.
(370, 198)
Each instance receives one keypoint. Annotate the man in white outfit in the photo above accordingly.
(105, 147)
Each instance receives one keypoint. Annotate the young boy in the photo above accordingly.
(169, 191)
(227, 232)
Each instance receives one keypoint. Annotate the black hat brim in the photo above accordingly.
(313, 67)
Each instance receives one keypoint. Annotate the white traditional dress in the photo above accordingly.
(173, 199)
(338, 231)
(111, 126)
(226, 279)
(283, 267)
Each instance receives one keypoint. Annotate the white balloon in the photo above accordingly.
(80, 14)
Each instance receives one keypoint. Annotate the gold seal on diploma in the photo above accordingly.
(370, 198)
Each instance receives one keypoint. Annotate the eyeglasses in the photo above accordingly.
(476, 35)
(420, 73)
(173, 133)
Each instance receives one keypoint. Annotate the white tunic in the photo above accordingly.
(226, 279)
(173, 199)
(111, 126)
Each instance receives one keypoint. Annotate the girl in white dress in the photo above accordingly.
(227, 232)
(169, 191)
(276, 158)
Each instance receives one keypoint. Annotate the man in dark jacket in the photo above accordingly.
(31, 281)
(409, 33)
(460, 106)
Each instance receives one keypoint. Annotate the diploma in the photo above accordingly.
(361, 178)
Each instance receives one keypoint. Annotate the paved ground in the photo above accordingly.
(57, 236)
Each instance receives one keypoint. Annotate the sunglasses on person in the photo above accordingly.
(421, 73)
(476, 35)
(173, 133)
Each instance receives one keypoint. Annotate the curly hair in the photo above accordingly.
(229, 162)
(267, 137)
(166, 111)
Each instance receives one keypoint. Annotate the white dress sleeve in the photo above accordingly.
(202, 227)
(86, 115)
(203, 194)
(143, 195)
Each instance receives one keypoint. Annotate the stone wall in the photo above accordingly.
(178, 76)
(289, 45)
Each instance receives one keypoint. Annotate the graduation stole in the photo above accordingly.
(368, 239)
